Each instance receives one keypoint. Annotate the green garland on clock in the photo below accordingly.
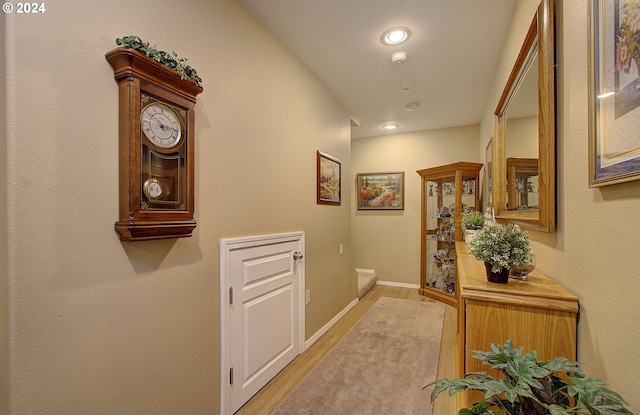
(170, 60)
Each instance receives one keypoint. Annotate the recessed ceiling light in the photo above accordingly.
(395, 36)
(390, 126)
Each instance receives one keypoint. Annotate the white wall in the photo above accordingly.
(389, 241)
(92, 325)
(594, 252)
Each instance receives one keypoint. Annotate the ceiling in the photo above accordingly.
(452, 53)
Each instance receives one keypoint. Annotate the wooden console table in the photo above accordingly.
(537, 314)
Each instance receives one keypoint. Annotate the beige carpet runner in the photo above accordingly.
(379, 367)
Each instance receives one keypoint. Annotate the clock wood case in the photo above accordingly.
(156, 119)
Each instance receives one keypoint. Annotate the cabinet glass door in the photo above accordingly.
(447, 192)
(441, 234)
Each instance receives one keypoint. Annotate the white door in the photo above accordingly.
(262, 281)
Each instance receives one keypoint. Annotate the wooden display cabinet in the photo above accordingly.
(522, 184)
(537, 314)
(447, 192)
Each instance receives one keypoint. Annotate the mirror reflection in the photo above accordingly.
(524, 132)
(521, 139)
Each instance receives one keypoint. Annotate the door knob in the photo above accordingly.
(297, 255)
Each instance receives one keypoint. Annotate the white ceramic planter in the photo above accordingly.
(470, 234)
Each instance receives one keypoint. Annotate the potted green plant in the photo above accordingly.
(501, 247)
(532, 387)
(472, 222)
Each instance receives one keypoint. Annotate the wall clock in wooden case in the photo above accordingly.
(156, 129)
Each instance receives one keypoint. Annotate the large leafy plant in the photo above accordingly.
(170, 60)
(532, 387)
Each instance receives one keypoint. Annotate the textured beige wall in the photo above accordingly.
(97, 326)
(389, 241)
(594, 252)
(4, 263)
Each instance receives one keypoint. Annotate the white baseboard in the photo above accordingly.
(398, 284)
(330, 324)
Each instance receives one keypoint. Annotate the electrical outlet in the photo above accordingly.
(341, 249)
(308, 297)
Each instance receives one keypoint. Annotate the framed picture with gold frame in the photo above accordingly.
(380, 191)
(329, 186)
(614, 92)
(488, 171)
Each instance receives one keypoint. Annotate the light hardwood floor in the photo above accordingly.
(274, 392)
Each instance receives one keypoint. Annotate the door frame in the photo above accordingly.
(226, 247)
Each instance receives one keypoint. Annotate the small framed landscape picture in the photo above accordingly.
(489, 174)
(380, 191)
(329, 179)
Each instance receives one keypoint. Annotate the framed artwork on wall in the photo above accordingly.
(329, 186)
(488, 163)
(614, 91)
(380, 191)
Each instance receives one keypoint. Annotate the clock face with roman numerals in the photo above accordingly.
(160, 125)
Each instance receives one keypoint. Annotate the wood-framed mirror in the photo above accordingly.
(524, 132)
